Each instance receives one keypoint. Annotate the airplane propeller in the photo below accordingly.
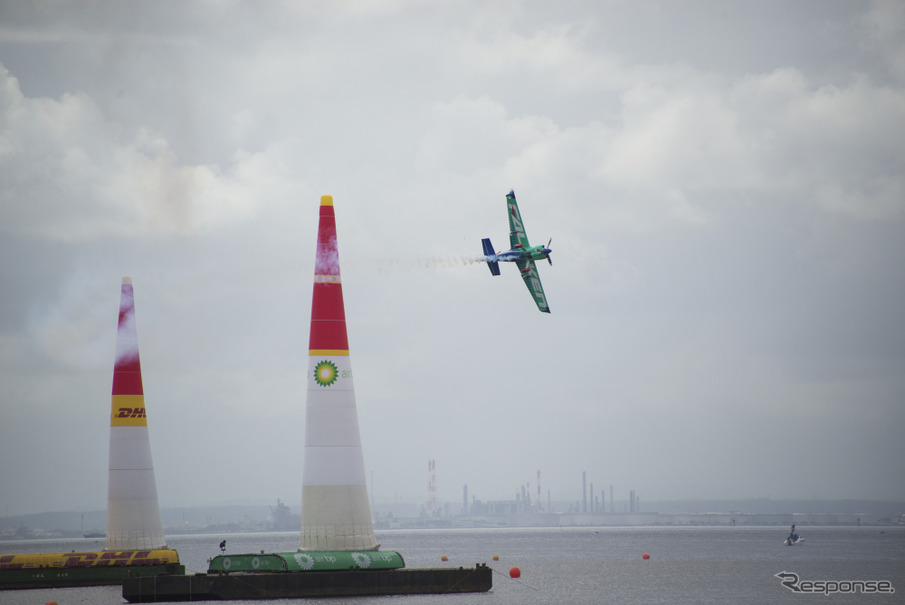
(549, 260)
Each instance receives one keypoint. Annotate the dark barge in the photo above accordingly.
(295, 575)
(83, 568)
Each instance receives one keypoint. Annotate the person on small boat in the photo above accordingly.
(793, 537)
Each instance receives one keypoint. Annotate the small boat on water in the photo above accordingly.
(793, 538)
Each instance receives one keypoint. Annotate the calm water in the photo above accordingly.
(578, 565)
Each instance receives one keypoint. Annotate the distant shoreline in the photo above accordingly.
(260, 518)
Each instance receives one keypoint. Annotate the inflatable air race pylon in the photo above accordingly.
(336, 515)
(133, 514)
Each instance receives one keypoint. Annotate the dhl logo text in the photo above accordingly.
(89, 559)
(130, 413)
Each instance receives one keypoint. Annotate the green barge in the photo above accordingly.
(306, 574)
(84, 568)
(305, 561)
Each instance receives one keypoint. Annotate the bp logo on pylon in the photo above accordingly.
(325, 373)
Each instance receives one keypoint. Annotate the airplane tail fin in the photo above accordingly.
(493, 265)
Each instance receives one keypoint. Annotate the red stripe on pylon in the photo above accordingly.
(328, 315)
(127, 367)
(327, 261)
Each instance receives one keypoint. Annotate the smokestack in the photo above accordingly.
(539, 508)
(584, 491)
(431, 488)
(335, 513)
(133, 513)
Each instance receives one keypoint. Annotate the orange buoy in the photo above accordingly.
(496, 557)
(645, 556)
(51, 603)
(515, 572)
(444, 558)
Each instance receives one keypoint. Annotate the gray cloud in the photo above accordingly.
(723, 187)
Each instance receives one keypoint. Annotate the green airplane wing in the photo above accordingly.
(517, 237)
(529, 273)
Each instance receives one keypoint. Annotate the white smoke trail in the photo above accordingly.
(388, 265)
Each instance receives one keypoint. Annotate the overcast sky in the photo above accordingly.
(724, 183)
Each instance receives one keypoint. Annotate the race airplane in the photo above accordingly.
(521, 253)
